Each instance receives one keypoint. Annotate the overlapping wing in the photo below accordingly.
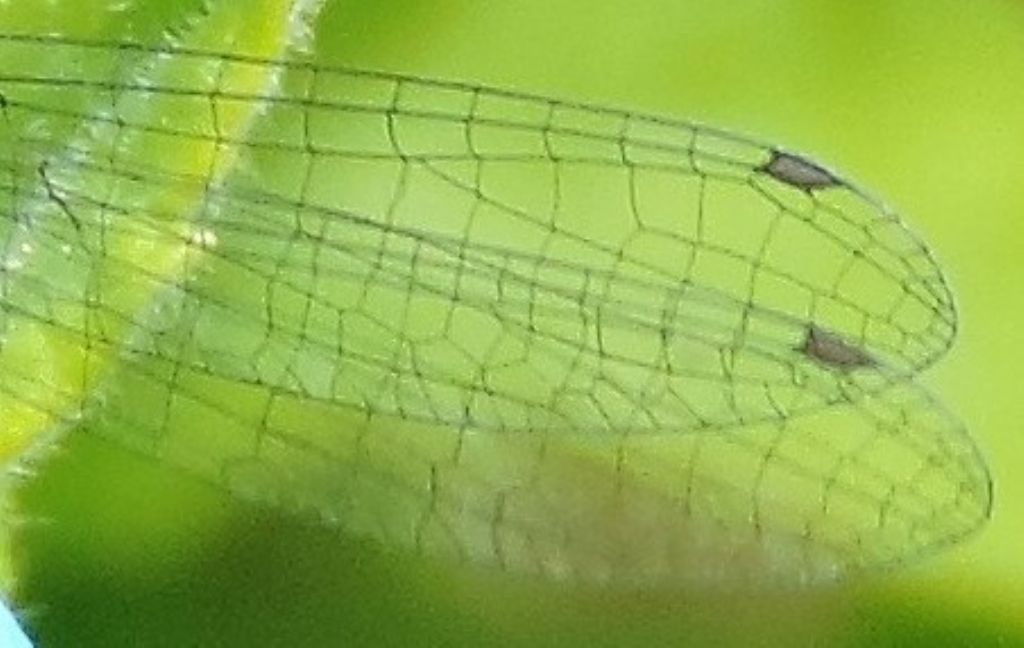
(520, 331)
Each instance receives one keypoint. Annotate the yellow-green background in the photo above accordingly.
(920, 100)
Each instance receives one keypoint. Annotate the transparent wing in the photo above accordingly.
(511, 262)
(520, 331)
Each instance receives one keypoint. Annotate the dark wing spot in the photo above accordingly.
(798, 172)
(831, 350)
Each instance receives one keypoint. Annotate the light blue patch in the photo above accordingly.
(11, 634)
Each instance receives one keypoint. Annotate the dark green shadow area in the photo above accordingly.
(261, 580)
(916, 621)
(121, 552)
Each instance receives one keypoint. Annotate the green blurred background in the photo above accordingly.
(923, 102)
